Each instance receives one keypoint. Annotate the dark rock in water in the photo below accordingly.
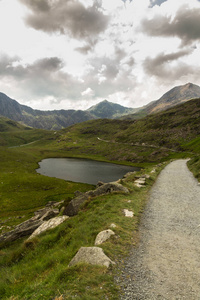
(73, 207)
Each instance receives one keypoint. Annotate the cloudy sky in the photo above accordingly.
(63, 54)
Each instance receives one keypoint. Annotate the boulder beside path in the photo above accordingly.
(92, 256)
(106, 188)
(103, 236)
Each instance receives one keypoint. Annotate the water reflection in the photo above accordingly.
(83, 170)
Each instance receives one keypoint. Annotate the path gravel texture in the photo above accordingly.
(166, 263)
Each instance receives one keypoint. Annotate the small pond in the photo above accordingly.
(83, 170)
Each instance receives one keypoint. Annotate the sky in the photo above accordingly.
(72, 54)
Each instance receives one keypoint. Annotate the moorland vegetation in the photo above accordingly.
(38, 269)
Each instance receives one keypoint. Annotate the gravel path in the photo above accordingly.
(166, 264)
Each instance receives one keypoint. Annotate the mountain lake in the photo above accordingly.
(83, 170)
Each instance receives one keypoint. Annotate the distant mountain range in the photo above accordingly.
(58, 119)
(173, 97)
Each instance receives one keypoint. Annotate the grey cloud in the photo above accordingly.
(185, 25)
(109, 75)
(117, 78)
(10, 66)
(157, 2)
(110, 70)
(119, 53)
(160, 66)
(84, 49)
(47, 64)
(126, 1)
(87, 47)
(42, 78)
(46, 78)
(130, 62)
(66, 17)
(37, 6)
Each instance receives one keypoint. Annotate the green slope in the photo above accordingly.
(39, 269)
(172, 128)
(15, 134)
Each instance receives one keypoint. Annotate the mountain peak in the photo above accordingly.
(106, 109)
(175, 96)
(189, 85)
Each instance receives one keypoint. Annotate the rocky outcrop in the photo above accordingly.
(106, 188)
(28, 227)
(92, 256)
(73, 207)
(103, 236)
(46, 213)
(50, 224)
(39, 223)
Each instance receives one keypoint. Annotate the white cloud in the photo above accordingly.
(88, 92)
(129, 52)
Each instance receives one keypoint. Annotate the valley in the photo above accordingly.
(31, 270)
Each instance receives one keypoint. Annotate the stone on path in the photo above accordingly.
(50, 224)
(103, 236)
(92, 256)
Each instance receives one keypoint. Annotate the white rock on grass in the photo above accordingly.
(128, 213)
(113, 225)
(50, 224)
(139, 185)
(140, 181)
(103, 236)
(92, 256)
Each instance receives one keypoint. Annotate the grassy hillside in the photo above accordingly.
(176, 96)
(15, 134)
(173, 128)
(39, 269)
(155, 138)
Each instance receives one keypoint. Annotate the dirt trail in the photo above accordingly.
(166, 264)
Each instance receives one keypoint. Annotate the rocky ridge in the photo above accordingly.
(47, 218)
